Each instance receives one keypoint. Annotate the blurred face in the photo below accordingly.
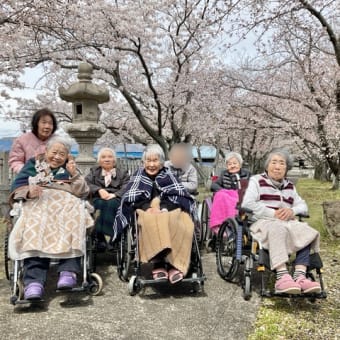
(233, 166)
(152, 165)
(106, 160)
(179, 158)
(56, 155)
(277, 168)
(45, 127)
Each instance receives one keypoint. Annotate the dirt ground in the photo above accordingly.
(218, 313)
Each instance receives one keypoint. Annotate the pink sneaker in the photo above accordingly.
(287, 285)
(308, 286)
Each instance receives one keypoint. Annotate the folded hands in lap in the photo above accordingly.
(285, 214)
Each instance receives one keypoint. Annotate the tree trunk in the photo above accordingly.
(336, 183)
(320, 172)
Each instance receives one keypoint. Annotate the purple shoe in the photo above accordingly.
(67, 280)
(33, 291)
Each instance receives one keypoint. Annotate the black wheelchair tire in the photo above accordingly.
(204, 221)
(227, 265)
(124, 261)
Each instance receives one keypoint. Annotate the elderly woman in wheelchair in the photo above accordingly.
(163, 207)
(52, 223)
(227, 190)
(274, 202)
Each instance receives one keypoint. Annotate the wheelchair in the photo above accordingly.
(239, 253)
(209, 238)
(130, 268)
(92, 283)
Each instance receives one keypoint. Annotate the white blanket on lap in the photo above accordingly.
(298, 236)
(52, 226)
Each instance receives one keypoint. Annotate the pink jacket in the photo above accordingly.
(25, 147)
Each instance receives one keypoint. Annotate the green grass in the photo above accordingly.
(315, 193)
(281, 318)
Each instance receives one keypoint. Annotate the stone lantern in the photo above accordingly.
(85, 98)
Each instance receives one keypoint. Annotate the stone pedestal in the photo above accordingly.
(331, 216)
(4, 183)
(86, 136)
(85, 98)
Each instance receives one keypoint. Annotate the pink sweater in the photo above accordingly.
(25, 147)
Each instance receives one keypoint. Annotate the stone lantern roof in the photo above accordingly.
(84, 89)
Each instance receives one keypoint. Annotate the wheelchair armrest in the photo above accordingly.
(302, 216)
(19, 199)
(243, 210)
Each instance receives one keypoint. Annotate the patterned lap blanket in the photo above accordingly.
(52, 226)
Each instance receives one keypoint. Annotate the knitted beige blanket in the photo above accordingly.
(53, 226)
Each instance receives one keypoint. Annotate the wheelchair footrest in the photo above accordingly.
(29, 302)
(151, 282)
(72, 290)
(268, 294)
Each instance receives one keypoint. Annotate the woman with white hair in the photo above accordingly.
(275, 203)
(53, 222)
(164, 207)
(225, 190)
(107, 184)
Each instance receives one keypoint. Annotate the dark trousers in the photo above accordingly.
(35, 268)
(108, 210)
(302, 256)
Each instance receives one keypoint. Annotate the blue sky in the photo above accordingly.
(11, 128)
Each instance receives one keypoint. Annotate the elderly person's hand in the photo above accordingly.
(105, 195)
(34, 191)
(154, 210)
(285, 214)
(71, 167)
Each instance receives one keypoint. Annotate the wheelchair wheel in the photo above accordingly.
(204, 222)
(247, 288)
(205, 213)
(91, 246)
(125, 255)
(227, 265)
(96, 284)
(133, 286)
(7, 261)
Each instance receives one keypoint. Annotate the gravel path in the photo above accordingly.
(218, 313)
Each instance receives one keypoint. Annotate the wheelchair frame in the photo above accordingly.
(236, 242)
(129, 266)
(92, 283)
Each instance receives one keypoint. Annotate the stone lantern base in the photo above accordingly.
(86, 135)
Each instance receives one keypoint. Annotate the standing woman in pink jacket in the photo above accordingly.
(33, 143)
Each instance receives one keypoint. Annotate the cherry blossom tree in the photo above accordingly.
(293, 81)
(164, 62)
(150, 52)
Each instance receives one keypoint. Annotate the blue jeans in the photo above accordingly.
(302, 256)
(35, 268)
